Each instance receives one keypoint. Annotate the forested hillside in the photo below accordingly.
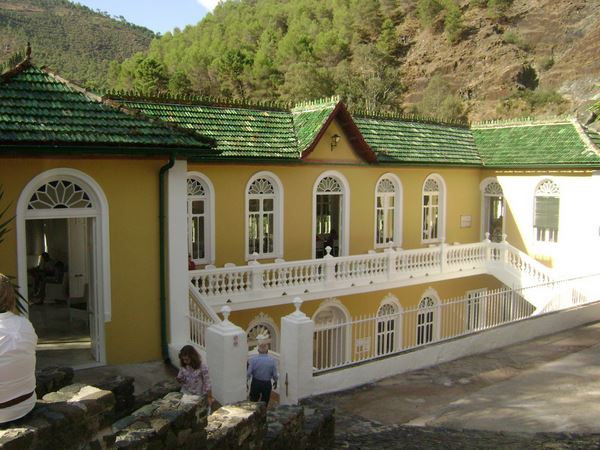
(451, 58)
(69, 38)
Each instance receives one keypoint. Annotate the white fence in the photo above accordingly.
(259, 281)
(339, 344)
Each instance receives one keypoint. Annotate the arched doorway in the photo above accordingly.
(63, 213)
(332, 335)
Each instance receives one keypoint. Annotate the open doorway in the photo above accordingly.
(62, 214)
(60, 286)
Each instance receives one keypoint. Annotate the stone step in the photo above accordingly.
(319, 427)
(284, 425)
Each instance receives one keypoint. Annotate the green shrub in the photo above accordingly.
(511, 37)
(428, 10)
(453, 25)
(547, 62)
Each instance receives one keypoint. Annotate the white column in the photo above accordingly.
(296, 356)
(226, 357)
(177, 269)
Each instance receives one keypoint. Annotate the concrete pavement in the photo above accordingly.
(550, 384)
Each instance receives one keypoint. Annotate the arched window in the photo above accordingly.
(331, 339)
(388, 326)
(265, 326)
(264, 222)
(426, 318)
(199, 216)
(388, 210)
(493, 209)
(432, 225)
(546, 211)
(331, 206)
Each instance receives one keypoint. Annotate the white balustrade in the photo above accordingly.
(262, 281)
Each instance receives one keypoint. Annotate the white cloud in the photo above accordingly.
(208, 4)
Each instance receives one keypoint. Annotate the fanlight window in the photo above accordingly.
(493, 188)
(261, 330)
(330, 184)
(60, 194)
(195, 187)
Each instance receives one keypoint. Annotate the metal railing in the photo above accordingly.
(339, 344)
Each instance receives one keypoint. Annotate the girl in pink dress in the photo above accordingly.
(193, 374)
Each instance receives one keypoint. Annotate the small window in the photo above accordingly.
(387, 212)
(198, 223)
(263, 217)
(433, 214)
(425, 320)
(547, 209)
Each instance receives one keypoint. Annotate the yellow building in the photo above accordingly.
(362, 216)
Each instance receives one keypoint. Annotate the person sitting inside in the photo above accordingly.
(46, 271)
(17, 357)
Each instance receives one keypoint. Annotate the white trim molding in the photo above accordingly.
(344, 232)
(398, 196)
(278, 204)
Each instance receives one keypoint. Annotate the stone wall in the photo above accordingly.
(174, 421)
(242, 425)
(65, 419)
(51, 379)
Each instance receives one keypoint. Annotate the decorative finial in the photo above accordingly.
(297, 304)
(28, 51)
(225, 310)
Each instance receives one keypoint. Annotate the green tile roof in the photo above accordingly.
(309, 119)
(38, 109)
(536, 144)
(239, 131)
(414, 142)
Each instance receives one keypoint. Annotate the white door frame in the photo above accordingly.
(100, 237)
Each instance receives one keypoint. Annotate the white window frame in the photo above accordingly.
(395, 320)
(435, 322)
(344, 232)
(488, 190)
(547, 188)
(209, 217)
(277, 197)
(475, 309)
(441, 222)
(397, 210)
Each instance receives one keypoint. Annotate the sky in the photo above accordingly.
(158, 15)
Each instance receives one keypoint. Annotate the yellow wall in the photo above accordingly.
(342, 152)
(368, 303)
(131, 188)
(463, 198)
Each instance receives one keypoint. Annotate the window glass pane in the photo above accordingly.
(253, 241)
(268, 233)
(379, 201)
(268, 204)
(253, 205)
(380, 225)
(198, 207)
(197, 238)
(389, 234)
(391, 200)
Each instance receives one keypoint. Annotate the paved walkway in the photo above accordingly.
(549, 386)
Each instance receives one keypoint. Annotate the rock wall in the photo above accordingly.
(68, 418)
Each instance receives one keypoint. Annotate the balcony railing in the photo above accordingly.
(262, 281)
